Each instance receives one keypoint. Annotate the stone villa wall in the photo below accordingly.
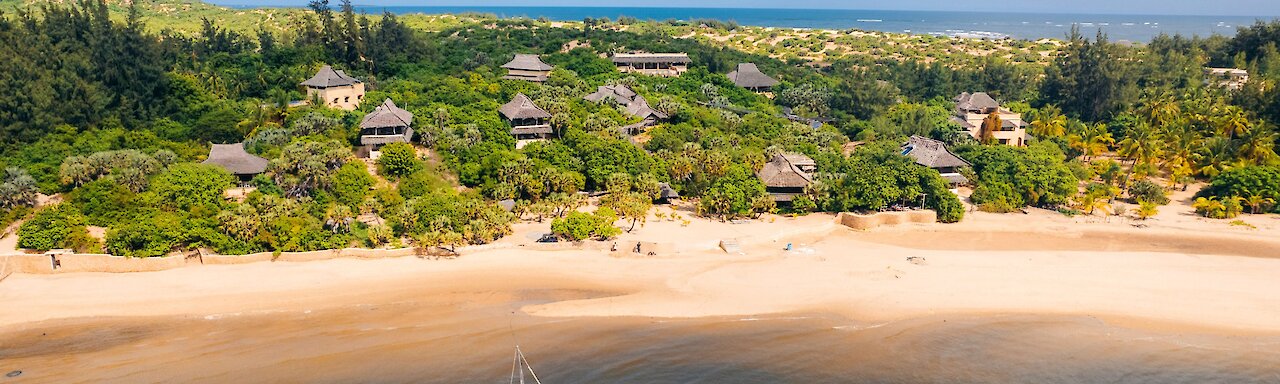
(70, 262)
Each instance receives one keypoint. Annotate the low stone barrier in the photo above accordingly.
(72, 262)
(237, 259)
(879, 219)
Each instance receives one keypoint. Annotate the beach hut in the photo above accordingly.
(235, 160)
(748, 76)
(972, 109)
(385, 125)
(935, 155)
(666, 193)
(527, 67)
(335, 89)
(783, 179)
(528, 122)
(653, 64)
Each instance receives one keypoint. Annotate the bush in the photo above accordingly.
(1259, 187)
(57, 227)
(1146, 191)
(351, 184)
(577, 226)
(398, 159)
(188, 185)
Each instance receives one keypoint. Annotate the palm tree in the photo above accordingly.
(1181, 143)
(1049, 122)
(1216, 155)
(1258, 145)
(1143, 145)
(1256, 203)
(1091, 140)
(1234, 122)
(1147, 209)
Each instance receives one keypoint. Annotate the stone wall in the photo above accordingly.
(864, 222)
(70, 262)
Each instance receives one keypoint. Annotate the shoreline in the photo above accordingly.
(859, 275)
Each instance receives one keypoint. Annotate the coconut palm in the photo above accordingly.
(1049, 123)
(1091, 140)
(1258, 146)
(1147, 209)
(1142, 145)
(1233, 122)
(1258, 203)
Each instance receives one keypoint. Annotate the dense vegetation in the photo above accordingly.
(112, 114)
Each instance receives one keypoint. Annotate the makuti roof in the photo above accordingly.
(618, 92)
(931, 153)
(981, 102)
(527, 62)
(781, 173)
(234, 159)
(387, 115)
(329, 77)
(521, 107)
(749, 76)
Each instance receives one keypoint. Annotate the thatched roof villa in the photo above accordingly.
(528, 122)
(633, 103)
(235, 160)
(335, 88)
(385, 125)
(935, 154)
(527, 67)
(783, 177)
(749, 76)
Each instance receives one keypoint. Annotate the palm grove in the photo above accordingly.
(114, 118)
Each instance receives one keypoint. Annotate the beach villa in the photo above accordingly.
(528, 122)
(385, 125)
(935, 155)
(749, 76)
(527, 67)
(632, 103)
(653, 64)
(786, 176)
(1230, 78)
(234, 159)
(335, 89)
(973, 109)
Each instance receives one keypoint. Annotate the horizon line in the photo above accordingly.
(255, 5)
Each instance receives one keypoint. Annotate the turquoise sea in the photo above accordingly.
(1137, 28)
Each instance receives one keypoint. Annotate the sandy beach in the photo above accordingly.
(1185, 271)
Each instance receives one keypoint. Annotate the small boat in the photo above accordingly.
(522, 365)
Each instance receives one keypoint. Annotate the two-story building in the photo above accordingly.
(528, 122)
(335, 89)
(528, 68)
(385, 125)
(972, 110)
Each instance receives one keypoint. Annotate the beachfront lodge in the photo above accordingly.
(335, 89)
(749, 76)
(786, 176)
(653, 64)
(527, 67)
(528, 122)
(1230, 78)
(972, 109)
(632, 103)
(234, 159)
(935, 155)
(385, 125)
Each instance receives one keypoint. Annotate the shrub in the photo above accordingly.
(577, 226)
(1144, 190)
(184, 186)
(398, 159)
(351, 184)
(1258, 186)
(57, 227)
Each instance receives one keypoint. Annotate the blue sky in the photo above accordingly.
(1174, 7)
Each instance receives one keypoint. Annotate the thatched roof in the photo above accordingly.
(387, 115)
(781, 173)
(932, 153)
(640, 108)
(527, 62)
(521, 107)
(749, 76)
(618, 92)
(329, 77)
(632, 58)
(665, 191)
(979, 102)
(234, 159)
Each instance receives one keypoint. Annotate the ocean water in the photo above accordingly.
(1136, 28)
(472, 340)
